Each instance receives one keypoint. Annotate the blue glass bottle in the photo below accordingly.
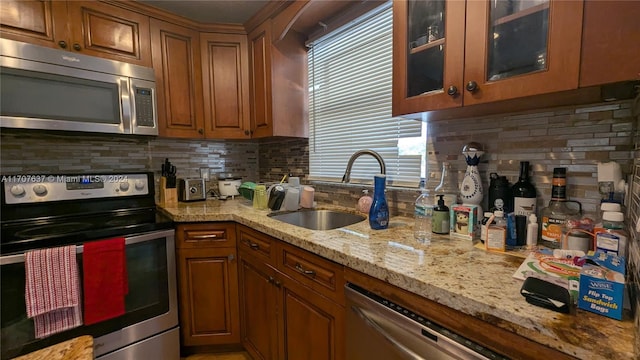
(379, 212)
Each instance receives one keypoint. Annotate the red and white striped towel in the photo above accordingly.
(52, 291)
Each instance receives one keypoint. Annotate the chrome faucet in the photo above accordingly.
(347, 174)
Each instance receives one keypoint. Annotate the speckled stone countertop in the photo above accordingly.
(451, 272)
(80, 348)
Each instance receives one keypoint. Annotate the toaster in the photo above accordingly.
(191, 190)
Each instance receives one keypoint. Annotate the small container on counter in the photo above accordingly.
(260, 197)
(440, 222)
(497, 233)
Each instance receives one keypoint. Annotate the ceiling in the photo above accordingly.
(211, 11)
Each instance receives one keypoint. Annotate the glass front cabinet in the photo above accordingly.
(452, 53)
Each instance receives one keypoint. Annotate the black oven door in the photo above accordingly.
(150, 304)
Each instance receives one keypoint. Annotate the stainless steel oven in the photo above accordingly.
(80, 210)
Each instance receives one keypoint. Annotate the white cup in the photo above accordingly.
(306, 197)
(294, 181)
(290, 202)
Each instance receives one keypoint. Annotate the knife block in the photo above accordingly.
(168, 196)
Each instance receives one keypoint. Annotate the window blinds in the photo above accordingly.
(350, 104)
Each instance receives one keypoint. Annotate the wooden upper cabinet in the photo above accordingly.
(504, 50)
(260, 52)
(225, 75)
(176, 62)
(108, 31)
(278, 83)
(610, 42)
(36, 22)
(88, 27)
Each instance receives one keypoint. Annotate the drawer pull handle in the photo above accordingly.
(306, 272)
(201, 237)
(254, 246)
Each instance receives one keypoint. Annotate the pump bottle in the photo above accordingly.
(440, 222)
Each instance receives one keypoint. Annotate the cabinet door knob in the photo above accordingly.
(77, 47)
(231, 257)
(452, 91)
(246, 132)
(200, 131)
(472, 86)
(62, 44)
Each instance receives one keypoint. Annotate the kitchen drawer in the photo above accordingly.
(206, 235)
(323, 276)
(257, 244)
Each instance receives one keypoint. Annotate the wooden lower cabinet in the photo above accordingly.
(281, 318)
(312, 326)
(208, 284)
(258, 310)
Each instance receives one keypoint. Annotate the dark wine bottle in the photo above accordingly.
(524, 202)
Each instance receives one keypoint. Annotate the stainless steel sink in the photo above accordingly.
(318, 219)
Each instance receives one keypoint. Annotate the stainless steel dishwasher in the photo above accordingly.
(379, 329)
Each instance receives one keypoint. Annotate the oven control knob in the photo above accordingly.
(193, 190)
(17, 190)
(124, 186)
(40, 190)
(139, 184)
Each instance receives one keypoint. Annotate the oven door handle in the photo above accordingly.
(18, 258)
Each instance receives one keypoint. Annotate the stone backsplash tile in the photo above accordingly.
(44, 152)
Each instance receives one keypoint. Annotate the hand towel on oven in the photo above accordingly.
(52, 291)
(105, 279)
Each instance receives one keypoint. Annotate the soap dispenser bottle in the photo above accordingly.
(440, 223)
(379, 212)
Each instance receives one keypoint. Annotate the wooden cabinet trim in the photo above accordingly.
(205, 235)
(322, 275)
(257, 244)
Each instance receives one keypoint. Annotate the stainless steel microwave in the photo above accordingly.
(50, 89)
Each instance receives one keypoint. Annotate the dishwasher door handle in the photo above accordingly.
(372, 324)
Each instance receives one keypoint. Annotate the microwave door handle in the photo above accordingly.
(125, 102)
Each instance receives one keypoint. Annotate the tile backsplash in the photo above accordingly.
(45, 152)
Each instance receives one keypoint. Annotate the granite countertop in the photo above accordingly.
(451, 272)
(80, 348)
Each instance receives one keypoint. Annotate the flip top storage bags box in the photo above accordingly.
(602, 281)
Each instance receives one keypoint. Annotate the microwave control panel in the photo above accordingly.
(144, 107)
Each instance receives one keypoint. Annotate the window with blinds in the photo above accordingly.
(350, 106)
